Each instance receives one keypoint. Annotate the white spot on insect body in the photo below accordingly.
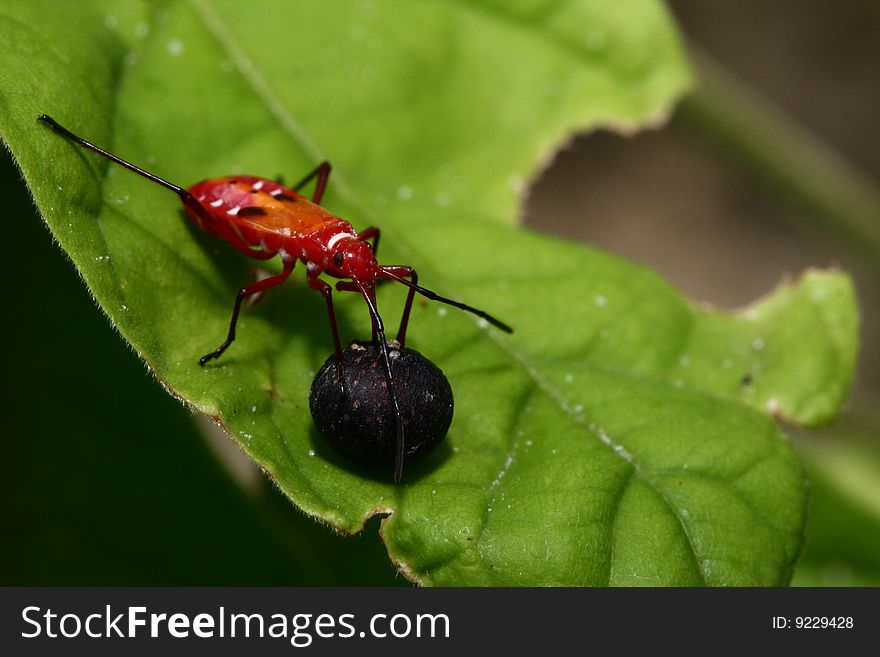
(175, 47)
(202, 197)
(257, 186)
(276, 192)
(339, 236)
(216, 204)
(286, 231)
(233, 211)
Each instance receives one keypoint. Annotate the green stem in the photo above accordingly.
(784, 156)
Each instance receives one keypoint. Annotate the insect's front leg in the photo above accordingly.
(410, 273)
(350, 286)
(327, 292)
(243, 294)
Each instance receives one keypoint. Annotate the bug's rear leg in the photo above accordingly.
(322, 172)
(243, 294)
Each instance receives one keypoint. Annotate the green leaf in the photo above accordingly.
(843, 528)
(620, 436)
(93, 497)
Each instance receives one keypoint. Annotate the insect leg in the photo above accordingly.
(371, 232)
(410, 273)
(243, 294)
(372, 292)
(369, 297)
(351, 286)
(327, 291)
(322, 171)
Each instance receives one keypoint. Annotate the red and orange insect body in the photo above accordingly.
(262, 218)
(266, 215)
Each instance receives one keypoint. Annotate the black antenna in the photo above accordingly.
(61, 130)
(425, 292)
(386, 359)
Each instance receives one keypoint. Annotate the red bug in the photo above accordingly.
(262, 218)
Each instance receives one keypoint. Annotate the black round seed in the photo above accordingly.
(360, 421)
